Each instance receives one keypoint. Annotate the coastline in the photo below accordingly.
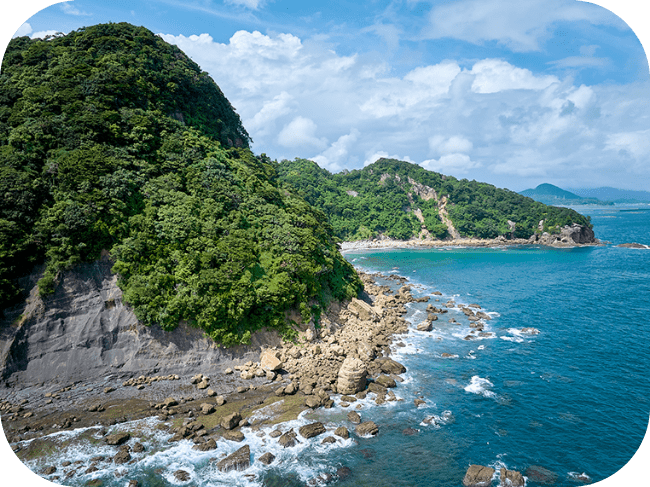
(298, 378)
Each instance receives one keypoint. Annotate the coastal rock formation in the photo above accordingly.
(84, 332)
(352, 376)
(511, 478)
(367, 428)
(240, 460)
(634, 246)
(569, 235)
(267, 458)
(478, 476)
(311, 430)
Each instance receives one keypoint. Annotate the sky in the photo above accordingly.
(511, 92)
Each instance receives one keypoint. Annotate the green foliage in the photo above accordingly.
(111, 139)
(380, 199)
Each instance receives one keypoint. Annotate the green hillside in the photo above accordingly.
(112, 139)
(403, 200)
(552, 195)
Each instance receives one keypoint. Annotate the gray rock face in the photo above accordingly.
(240, 460)
(569, 235)
(478, 476)
(84, 331)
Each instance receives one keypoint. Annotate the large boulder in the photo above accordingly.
(511, 478)
(240, 460)
(117, 439)
(352, 376)
(478, 476)
(270, 361)
(578, 234)
(288, 439)
(390, 366)
(367, 428)
(311, 430)
(425, 326)
(362, 310)
(231, 421)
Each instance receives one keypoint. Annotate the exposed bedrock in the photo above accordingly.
(84, 331)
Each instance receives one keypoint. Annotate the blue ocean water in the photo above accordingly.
(573, 399)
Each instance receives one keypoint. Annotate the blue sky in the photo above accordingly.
(512, 92)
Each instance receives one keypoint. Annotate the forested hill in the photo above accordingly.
(403, 201)
(113, 140)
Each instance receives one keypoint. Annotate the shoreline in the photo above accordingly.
(362, 331)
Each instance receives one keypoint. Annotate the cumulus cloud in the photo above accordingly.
(43, 34)
(452, 164)
(23, 30)
(301, 132)
(635, 144)
(375, 156)
(336, 156)
(515, 24)
(492, 120)
(493, 75)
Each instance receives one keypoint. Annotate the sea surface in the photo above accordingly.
(573, 399)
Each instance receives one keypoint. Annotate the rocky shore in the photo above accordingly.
(569, 236)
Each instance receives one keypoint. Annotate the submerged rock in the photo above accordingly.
(541, 475)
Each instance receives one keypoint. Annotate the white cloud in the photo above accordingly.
(252, 4)
(493, 75)
(23, 30)
(451, 164)
(43, 33)
(263, 121)
(518, 25)
(442, 145)
(69, 9)
(375, 156)
(636, 144)
(334, 158)
(301, 132)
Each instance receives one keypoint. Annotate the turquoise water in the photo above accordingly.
(573, 399)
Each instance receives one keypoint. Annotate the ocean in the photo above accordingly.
(573, 399)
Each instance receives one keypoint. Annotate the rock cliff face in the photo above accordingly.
(84, 331)
(569, 235)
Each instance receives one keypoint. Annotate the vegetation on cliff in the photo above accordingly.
(112, 139)
(403, 200)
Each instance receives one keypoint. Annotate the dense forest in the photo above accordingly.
(384, 198)
(113, 140)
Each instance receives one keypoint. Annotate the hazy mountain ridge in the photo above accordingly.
(552, 195)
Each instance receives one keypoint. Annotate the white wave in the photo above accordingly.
(479, 385)
(579, 476)
(512, 339)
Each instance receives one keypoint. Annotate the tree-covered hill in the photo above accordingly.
(112, 139)
(403, 201)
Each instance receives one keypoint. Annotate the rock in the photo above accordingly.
(203, 384)
(418, 402)
(117, 439)
(228, 371)
(279, 391)
(49, 470)
(170, 402)
(530, 331)
(138, 448)
(311, 430)
(231, 421)
(343, 472)
(354, 417)
(122, 456)
(267, 458)
(211, 393)
(275, 433)
(133, 483)
(233, 435)
(367, 428)
(288, 439)
(541, 475)
(511, 478)
(362, 310)
(208, 445)
(108, 389)
(207, 408)
(634, 246)
(351, 376)
(328, 439)
(240, 460)
(425, 326)
(478, 476)
(290, 389)
(220, 401)
(390, 366)
(181, 475)
(196, 379)
(313, 402)
(385, 381)
(342, 432)
(410, 432)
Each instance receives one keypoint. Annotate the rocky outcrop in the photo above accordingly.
(634, 246)
(367, 428)
(240, 460)
(511, 478)
(84, 332)
(569, 235)
(311, 430)
(352, 376)
(478, 476)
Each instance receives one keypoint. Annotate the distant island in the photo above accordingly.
(614, 195)
(552, 195)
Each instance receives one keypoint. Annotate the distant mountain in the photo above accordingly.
(615, 195)
(552, 195)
